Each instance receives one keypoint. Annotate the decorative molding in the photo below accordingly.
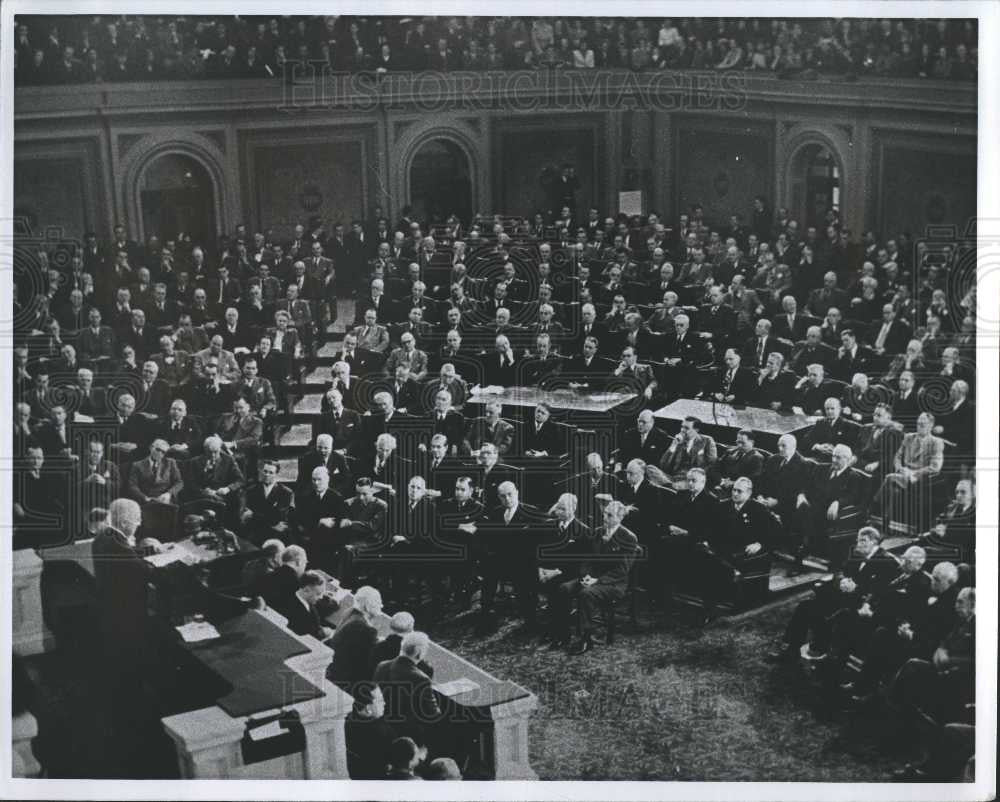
(203, 150)
(217, 136)
(417, 133)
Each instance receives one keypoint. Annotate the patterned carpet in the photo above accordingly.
(678, 703)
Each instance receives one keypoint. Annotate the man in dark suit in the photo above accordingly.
(878, 443)
(214, 479)
(733, 384)
(454, 515)
(693, 513)
(510, 535)
(37, 501)
(649, 507)
(587, 370)
(837, 493)
(121, 577)
(864, 575)
(602, 580)
(568, 549)
(718, 319)
(153, 395)
(852, 357)
(501, 366)
(303, 617)
(156, 478)
(138, 334)
(812, 351)
(446, 421)
(790, 325)
(410, 702)
(784, 488)
(812, 391)
(490, 473)
(543, 437)
(316, 518)
(773, 387)
(821, 299)
(891, 335)
(400, 625)
(342, 424)
(742, 460)
(645, 442)
(180, 431)
(354, 642)
(833, 430)
(684, 352)
(277, 587)
(739, 544)
(757, 349)
(323, 456)
(267, 505)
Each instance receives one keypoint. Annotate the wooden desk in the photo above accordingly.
(724, 420)
(572, 400)
(504, 707)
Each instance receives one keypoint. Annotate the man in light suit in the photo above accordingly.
(155, 478)
(229, 370)
(920, 458)
(490, 428)
(689, 449)
(372, 336)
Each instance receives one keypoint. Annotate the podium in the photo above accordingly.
(209, 741)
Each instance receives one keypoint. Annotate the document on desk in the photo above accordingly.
(196, 631)
(166, 558)
(456, 686)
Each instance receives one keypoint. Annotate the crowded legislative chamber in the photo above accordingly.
(494, 398)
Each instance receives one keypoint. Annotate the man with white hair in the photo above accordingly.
(213, 479)
(501, 366)
(511, 535)
(121, 575)
(354, 642)
(603, 579)
(400, 625)
(409, 697)
(324, 456)
(316, 519)
(836, 495)
(565, 557)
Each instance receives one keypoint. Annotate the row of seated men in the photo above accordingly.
(892, 638)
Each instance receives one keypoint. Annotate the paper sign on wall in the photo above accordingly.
(630, 202)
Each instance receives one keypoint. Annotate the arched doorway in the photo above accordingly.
(176, 194)
(441, 182)
(814, 184)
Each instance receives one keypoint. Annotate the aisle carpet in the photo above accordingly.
(679, 703)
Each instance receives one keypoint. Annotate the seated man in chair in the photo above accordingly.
(604, 580)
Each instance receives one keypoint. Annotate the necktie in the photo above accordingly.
(760, 350)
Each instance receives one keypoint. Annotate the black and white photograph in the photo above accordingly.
(530, 401)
